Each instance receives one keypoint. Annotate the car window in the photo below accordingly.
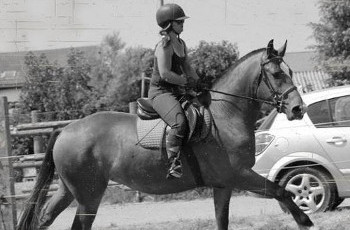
(340, 108)
(319, 114)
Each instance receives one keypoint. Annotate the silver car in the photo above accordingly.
(310, 157)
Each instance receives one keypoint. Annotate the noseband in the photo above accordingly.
(277, 97)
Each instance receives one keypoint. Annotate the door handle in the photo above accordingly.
(336, 140)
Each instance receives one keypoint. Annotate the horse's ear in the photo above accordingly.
(282, 50)
(270, 49)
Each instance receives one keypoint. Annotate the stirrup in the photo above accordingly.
(175, 170)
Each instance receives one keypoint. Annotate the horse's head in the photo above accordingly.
(276, 85)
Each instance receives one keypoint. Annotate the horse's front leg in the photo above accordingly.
(222, 198)
(249, 180)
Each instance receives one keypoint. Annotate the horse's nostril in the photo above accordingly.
(297, 110)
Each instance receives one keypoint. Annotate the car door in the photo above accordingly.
(332, 121)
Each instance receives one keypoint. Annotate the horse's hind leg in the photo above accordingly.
(55, 205)
(222, 198)
(89, 201)
(251, 181)
(85, 215)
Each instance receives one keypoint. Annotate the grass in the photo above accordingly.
(116, 195)
(336, 220)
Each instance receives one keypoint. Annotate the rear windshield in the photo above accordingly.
(268, 120)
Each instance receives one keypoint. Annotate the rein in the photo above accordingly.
(278, 98)
(241, 96)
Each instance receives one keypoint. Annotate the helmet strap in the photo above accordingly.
(165, 30)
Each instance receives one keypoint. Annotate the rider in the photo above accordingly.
(171, 72)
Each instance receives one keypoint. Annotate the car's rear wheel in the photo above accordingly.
(312, 188)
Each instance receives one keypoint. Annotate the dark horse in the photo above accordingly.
(102, 147)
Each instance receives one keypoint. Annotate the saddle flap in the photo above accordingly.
(192, 117)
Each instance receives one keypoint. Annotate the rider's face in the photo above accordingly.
(178, 26)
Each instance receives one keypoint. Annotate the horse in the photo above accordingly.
(90, 152)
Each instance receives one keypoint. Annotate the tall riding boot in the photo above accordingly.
(173, 148)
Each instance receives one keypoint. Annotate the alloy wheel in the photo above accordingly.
(308, 190)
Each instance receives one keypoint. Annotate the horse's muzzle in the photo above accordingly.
(298, 112)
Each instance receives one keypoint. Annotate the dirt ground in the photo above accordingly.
(157, 212)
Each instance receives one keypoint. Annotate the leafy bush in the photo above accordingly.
(211, 60)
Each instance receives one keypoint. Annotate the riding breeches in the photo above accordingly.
(170, 110)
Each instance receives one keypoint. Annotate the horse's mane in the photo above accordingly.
(245, 57)
(238, 62)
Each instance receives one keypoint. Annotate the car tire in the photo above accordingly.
(312, 188)
(337, 202)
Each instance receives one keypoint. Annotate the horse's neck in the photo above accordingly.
(240, 82)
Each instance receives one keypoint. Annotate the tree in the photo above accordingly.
(332, 35)
(59, 93)
(211, 60)
(39, 90)
(102, 72)
(126, 84)
(73, 90)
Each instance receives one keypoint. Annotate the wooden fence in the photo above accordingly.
(27, 163)
(8, 216)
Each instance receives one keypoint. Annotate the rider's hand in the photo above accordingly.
(202, 86)
(191, 83)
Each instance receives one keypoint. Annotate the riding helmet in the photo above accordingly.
(169, 12)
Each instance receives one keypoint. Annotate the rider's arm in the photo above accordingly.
(164, 57)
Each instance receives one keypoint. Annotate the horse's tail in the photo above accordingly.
(29, 219)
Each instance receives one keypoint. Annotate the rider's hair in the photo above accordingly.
(165, 35)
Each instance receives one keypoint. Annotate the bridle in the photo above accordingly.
(278, 99)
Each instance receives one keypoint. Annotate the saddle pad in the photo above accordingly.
(150, 133)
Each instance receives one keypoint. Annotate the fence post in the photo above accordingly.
(29, 173)
(143, 84)
(133, 107)
(38, 140)
(8, 216)
(143, 75)
(132, 110)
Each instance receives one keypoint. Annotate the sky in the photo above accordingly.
(50, 24)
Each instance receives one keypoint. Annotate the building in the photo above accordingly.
(12, 68)
(307, 75)
(10, 84)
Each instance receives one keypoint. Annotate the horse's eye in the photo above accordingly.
(278, 75)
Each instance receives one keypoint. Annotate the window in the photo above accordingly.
(331, 113)
(340, 108)
(319, 114)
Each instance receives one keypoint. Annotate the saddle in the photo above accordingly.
(152, 130)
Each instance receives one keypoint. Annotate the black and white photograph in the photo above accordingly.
(174, 114)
